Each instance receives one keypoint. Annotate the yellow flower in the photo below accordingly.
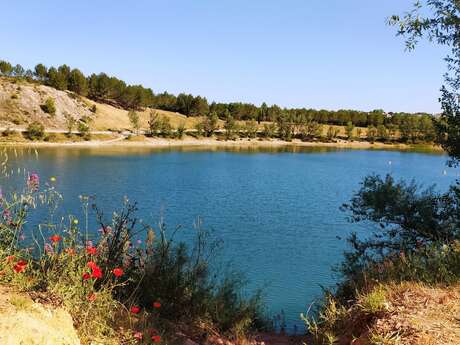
(75, 221)
(53, 179)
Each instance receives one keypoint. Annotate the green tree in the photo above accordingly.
(77, 82)
(230, 128)
(371, 133)
(154, 123)
(332, 133)
(134, 120)
(269, 130)
(40, 72)
(438, 20)
(210, 124)
(18, 71)
(70, 123)
(349, 130)
(382, 133)
(35, 131)
(5, 68)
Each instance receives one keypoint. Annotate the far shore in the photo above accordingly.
(213, 142)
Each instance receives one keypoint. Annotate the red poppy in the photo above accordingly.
(138, 335)
(156, 338)
(135, 309)
(96, 272)
(157, 305)
(20, 266)
(86, 276)
(118, 272)
(91, 250)
(10, 258)
(91, 264)
(92, 297)
(55, 239)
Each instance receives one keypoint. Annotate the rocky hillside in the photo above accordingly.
(22, 102)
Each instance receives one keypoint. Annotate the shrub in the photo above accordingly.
(35, 131)
(180, 131)
(84, 131)
(49, 107)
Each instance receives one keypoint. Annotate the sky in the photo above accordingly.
(324, 54)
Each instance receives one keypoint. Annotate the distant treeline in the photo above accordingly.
(103, 88)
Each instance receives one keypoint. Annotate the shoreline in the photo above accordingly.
(212, 142)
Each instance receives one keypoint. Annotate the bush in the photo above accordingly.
(35, 131)
(49, 107)
(180, 132)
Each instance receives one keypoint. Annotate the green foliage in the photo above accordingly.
(35, 131)
(134, 120)
(349, 130)
(269, 130)
(5, 68)
(332, 133)
(49, 107)
(230, 128)
(180, 131)
(209, 125)
(154, 123)
(83, 128)
(249, 129)
(70, 123)
(77, 82)
(371, 133)
(382, 133)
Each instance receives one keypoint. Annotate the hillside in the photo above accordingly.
(21, 101)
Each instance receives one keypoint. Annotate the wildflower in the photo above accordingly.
(118, 272)
(92, 297)
(55, 239)
(75, 221)
(157, 305)
(138, 335)
(10, 258)
(135, 309)
(20, 266)
(53, 178)
(70, 251)
(97, 272)
(86, 276)
(91, 250)
(33, 182)
(91, 264)
(156, 338)
(49, 249)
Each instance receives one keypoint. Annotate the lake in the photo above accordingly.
(277, 211)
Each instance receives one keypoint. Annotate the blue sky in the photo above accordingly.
(327, 54)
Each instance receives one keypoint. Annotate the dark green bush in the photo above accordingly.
(35, 131)
(49, 107)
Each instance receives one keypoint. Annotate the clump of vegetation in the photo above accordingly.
(134, 120)
(49, 107)
(35, 131)
(84, 129)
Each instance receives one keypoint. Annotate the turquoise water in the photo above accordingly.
(277, 211)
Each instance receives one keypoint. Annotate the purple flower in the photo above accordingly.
(34, 181)
(49, 248)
